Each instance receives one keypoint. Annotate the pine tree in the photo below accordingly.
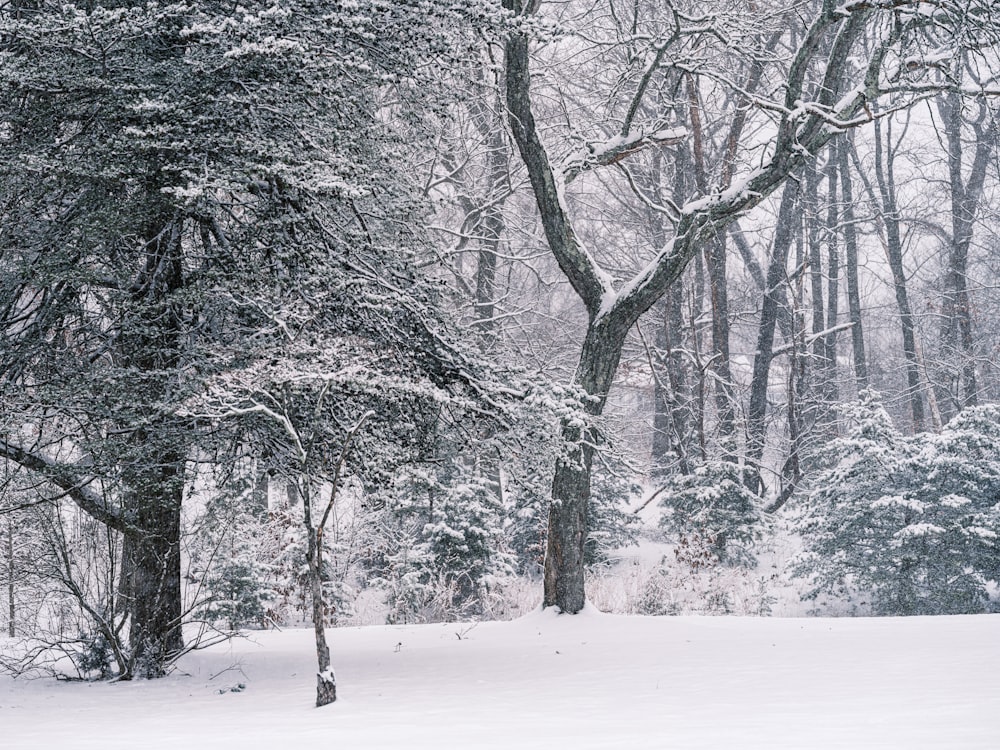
(169, 173)
(911, 522)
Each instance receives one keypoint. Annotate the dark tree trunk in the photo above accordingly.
(784, 321)
(791, 470)
(851, 251)
(833, 278)
(153, 462)
(11, 601)
(671, 414)
(326, 683)
(715, 264)
(715, 256)
(885, 175)
(774, 298)
(671, 407)
(814, 230)
(567, 531)
(956, 319)
(152, 569)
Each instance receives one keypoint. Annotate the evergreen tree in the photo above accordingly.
(169, 172)
(911, 522)
(712, 510)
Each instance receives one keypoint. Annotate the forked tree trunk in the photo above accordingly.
(613, 311)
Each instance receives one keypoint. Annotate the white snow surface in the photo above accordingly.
(551, 681)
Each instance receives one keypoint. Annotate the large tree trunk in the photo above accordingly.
(152, 569)
(567, 532)
(153, 460)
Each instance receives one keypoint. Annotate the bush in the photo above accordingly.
(911, 522)
(713, 513)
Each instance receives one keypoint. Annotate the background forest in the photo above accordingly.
(349, 312)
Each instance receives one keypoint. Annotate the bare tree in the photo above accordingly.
(817, 104)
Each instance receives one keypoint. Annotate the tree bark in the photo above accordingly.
(567, 528)
(833, 277)
(853, 282)
(774, 298)
(11, 601)
(153, 470)
(886, 178)
(152, 569)
(326, 683)
(966, 194)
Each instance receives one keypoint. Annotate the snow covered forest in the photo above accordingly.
(363, 312)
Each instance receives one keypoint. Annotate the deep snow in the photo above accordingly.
(549, 681)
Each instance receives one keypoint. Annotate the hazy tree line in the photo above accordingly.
(300, 299)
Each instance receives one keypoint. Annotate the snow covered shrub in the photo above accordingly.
(231, 555)
(94, 657)
(910, 522)
(448, 550)
(610, 524)
(671, 587)
(716, 517)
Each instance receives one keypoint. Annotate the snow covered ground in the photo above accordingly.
(548, 681)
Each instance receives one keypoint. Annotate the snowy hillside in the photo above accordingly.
(548, 681)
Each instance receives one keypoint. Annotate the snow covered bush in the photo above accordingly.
(716, 517)
(448, 553)
(911, 523)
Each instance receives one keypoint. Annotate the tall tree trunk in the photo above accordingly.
(853, 282)
(886, 178)
(774, 297)
(791, 470)
(153, 469)
(671, 399)
(490, 229)
(833, 277)
(11, 601)
(715, 263)
(671, 413)
(956, 319)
